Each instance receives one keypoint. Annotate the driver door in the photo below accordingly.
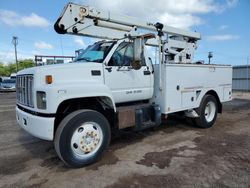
(126, 83)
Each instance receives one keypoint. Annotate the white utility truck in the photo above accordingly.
(114, 85)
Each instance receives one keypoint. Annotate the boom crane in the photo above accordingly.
(178, 45)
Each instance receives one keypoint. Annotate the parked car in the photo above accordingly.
(13, 76)
(8, 85)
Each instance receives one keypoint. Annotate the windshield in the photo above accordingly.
(95, 53)
(9, 81)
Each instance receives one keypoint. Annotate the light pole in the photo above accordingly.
(210, 55)
(248, 88)
(15, 42)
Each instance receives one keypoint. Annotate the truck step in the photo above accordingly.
(146, 125)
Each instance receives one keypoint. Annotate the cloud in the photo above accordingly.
(182, 13)
(231, 3)
(13, 19)
(43, 45)
(181, 20)
(227, 5)
(79, 41)
(222, 27)
(7, 56)
(225, 37)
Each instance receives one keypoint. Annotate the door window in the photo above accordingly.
(123, 56)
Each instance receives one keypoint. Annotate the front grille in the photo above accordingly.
(24, 90)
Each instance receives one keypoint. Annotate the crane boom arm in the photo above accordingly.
(81, 20)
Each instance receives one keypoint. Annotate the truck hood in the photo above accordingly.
(67, 73)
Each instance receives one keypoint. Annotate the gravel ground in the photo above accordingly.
(174, 155)
(241, 95)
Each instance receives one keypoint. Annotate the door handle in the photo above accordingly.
(147, 72)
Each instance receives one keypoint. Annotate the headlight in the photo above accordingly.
(41, 99)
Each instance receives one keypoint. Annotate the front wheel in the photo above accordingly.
(82, 137)
(207, 112)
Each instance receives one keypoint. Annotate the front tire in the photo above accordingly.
(82, 137)
(207, 112)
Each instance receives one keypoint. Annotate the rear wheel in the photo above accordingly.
(82, 137)
(207, 112)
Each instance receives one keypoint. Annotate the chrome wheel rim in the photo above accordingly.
(210, 111)
(86, 140)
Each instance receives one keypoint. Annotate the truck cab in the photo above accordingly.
(125, 83)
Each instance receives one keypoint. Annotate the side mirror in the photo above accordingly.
(139, 43)
(136, 65)
(138, 53)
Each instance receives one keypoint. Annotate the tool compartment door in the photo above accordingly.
(184, 85)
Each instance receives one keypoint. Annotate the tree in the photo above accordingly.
(10, 68)
(6, 70)
(26, 63)
(2, 70)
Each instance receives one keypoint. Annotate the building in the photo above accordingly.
(241, 78)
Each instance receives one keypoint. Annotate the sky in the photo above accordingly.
(224, 26)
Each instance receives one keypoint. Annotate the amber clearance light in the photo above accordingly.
(48, 79)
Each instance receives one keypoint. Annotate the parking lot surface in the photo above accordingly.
(174, 155)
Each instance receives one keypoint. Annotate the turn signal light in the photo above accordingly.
(49, 79)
